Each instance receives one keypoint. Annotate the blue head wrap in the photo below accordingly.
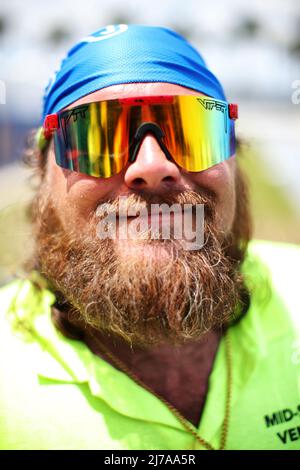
(128, 54)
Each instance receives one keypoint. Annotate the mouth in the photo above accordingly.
(159, 218)
(156, 214)
(154, 211)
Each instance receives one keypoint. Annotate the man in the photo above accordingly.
(144, 342)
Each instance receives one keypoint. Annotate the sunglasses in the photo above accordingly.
(100, 138)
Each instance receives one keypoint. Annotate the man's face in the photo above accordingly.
(145, 292)
(76, 195)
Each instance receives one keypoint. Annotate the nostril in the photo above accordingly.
(138, 181)
(168, 178)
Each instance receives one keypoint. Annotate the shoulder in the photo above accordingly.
(279, 262)
(25, 293)
(271, 271)
(276, 254)
(7, 293)
(21, 302)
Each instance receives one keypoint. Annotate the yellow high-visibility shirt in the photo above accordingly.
(56, 394)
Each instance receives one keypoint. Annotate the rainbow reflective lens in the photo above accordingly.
(101, 138)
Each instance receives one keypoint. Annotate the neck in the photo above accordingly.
(178, 374)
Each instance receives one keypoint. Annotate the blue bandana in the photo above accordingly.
(128, 54)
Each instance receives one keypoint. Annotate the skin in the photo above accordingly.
(76, 197)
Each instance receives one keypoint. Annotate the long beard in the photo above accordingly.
(167, 295)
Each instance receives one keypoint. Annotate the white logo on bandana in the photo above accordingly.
(106, 33)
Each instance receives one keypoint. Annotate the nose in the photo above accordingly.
(151, 168)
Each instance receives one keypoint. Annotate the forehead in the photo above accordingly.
(129, 90)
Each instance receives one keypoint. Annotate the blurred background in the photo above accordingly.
(252, 47)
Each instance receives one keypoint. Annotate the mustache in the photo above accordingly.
(139, 201)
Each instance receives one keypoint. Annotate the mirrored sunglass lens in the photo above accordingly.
(198, 132)
(93, 139)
